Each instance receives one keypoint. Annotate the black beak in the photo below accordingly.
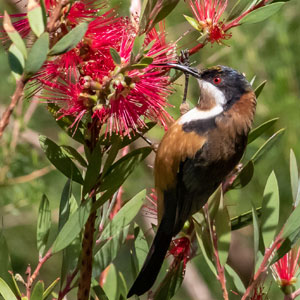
(184, 69)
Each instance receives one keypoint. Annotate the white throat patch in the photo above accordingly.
(197, 114)
(209, 88)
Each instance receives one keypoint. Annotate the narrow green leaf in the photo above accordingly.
(35, 17)
(267, 145)
(74, 155)
(146, 60)
(60, 160)
(258, 131)
(37, 55)
(66, 123)
(244, 177)
(5, 291)
(270, 210)
(14, 35)
(262, 13)
(43, 225)
(93, 170)
(72, 227)
(125, 215)
(294, 175)
(292, 224)
(259, 89)
(38, 290)
(223, 231)
(205, 246)
(214, 202)
(111, 286)
(16, 61)
(120, 170)
(5, 264)
(109, 251)
(99, 292)
(115, 56)
(49, 289)
(237, 9)
(70, 40)
(256, 233)
(243, 219)
(64, 205)
(192, 22)
(240, 288)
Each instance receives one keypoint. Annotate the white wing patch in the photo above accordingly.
(197, 114)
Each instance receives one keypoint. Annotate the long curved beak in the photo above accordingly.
(184, 69)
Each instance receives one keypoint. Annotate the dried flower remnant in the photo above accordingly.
(181, 250)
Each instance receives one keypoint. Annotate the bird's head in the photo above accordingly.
(220, 86)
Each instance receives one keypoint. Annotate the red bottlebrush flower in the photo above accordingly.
(258, 294)
(119, 95)
(181, 249)
(284, 270)
(208, 14)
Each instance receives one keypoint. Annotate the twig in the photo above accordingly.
(263, 267)
(18, 94)
(55, 15)
(68, 287)
(294, 295)
(40, 264)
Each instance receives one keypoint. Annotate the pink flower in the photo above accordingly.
(208, 14)
(284, 270)
(181, 249)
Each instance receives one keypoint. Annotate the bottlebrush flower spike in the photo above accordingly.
(208, 14)
(284, 270)
(181, 249)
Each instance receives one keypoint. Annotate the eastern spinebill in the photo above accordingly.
(195, 155)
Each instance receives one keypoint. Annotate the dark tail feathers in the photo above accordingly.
(154, 260)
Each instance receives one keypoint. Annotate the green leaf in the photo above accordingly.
(49, 289)
(237, 9)
(294, 176)
(292, 224)
(115, 56)
(240, 288)
(74, 155)
(258, 131)
(38, 290)
(120, 170)
(256, 233)
(223, 231)
(60, 160)
(109, 251)
(244, 177)
(125, 215)
(243, 219)
(66, 123)
(35, 17)
(99, 292)
(146, 60)
(270, 210)
(5, 265)
(64, 205)
(170, 283)
(204, 242)
(267, 145)
(70, 40)
(193, 22)
(43, 225)
(16, 61)
(259, 89)
(72, 227)
(14, 35)
(5, 291)
(262, 13)
(93, 170)
(37, 55)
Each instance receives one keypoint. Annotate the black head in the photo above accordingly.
(231, 83)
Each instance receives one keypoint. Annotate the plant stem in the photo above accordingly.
(40, 264)
(18, 94)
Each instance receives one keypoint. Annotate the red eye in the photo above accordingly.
(217, 80)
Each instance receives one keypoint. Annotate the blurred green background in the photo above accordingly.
(268, 50)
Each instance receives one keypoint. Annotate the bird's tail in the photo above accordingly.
(154, 260)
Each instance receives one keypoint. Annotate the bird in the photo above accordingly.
(195, 155)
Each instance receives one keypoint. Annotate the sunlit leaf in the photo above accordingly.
(43, 225)
(258, 131)
(192, 21)
(37, 292)
(259, 89)
(70, 40)
(236, 279)
(6, 292)
(294, 176)
(73, 154)
(16, 61)
(50, 288)
(35, 17)
(60, 160)
(270, 210)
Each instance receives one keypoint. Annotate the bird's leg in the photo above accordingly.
(184, 60)
(154, 146)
